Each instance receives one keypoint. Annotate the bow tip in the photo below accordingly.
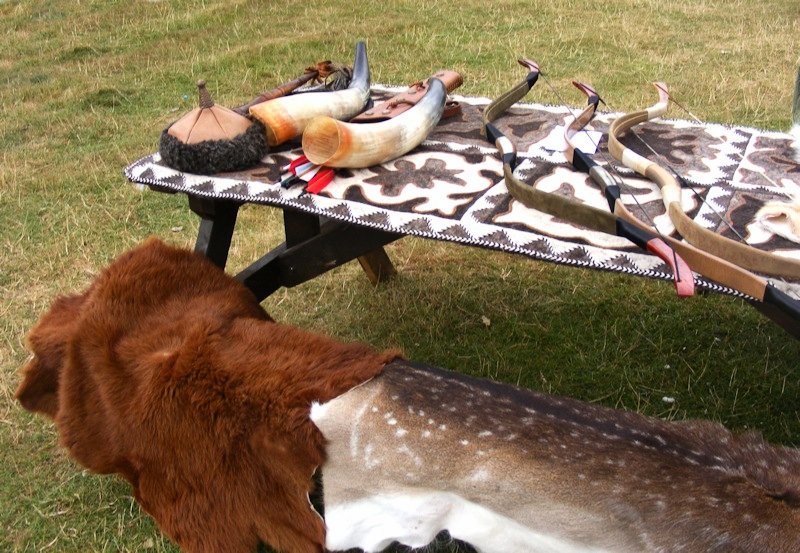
(529, 64)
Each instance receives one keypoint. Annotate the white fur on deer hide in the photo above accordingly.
(418, 450)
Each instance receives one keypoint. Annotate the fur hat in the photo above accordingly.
(212, 139)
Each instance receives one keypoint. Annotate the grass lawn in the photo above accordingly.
(87, 86)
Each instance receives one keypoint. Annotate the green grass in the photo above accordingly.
(86, 87)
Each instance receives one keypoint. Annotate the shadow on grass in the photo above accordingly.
(621, 341)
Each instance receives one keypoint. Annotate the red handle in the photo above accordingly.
(684, 279)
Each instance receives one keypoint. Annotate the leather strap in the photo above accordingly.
(320, 72)
(402, 102)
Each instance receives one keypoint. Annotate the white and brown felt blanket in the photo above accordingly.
(451, 187)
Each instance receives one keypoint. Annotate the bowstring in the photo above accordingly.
(618, 179)
(698, 120)
(683, 182)
(677, 103)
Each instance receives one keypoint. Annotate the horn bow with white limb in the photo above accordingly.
(767, 298)
(628, 225)
(333, 143)
(286, 118)
(419, 450)
(738, 253)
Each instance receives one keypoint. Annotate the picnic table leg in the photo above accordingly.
(377, 266)
(217, 221)
(313, 246)
(309, 252)
(300, 227)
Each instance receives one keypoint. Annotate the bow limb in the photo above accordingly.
(560, 206)
(499, 106)
(627, 225)
(737, 253)
(530, 196)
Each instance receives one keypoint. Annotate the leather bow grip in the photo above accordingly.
(681, 272)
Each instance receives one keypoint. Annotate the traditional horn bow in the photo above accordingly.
(566, 208)
(713, 256)
(738, 253)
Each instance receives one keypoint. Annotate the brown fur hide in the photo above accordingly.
(168, 371)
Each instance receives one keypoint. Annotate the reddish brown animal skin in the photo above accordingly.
(168, 372)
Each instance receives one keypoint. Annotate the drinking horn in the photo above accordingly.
(286, 118)
(333, 143)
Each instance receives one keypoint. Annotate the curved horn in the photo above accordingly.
(336, 144)
(286, 118)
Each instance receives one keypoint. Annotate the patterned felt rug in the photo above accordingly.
(451, 187)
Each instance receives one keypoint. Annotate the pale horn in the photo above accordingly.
(336, 144)
(286, 118)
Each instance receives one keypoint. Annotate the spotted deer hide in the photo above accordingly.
(418, 450)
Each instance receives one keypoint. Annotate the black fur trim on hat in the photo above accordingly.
(215, 156)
